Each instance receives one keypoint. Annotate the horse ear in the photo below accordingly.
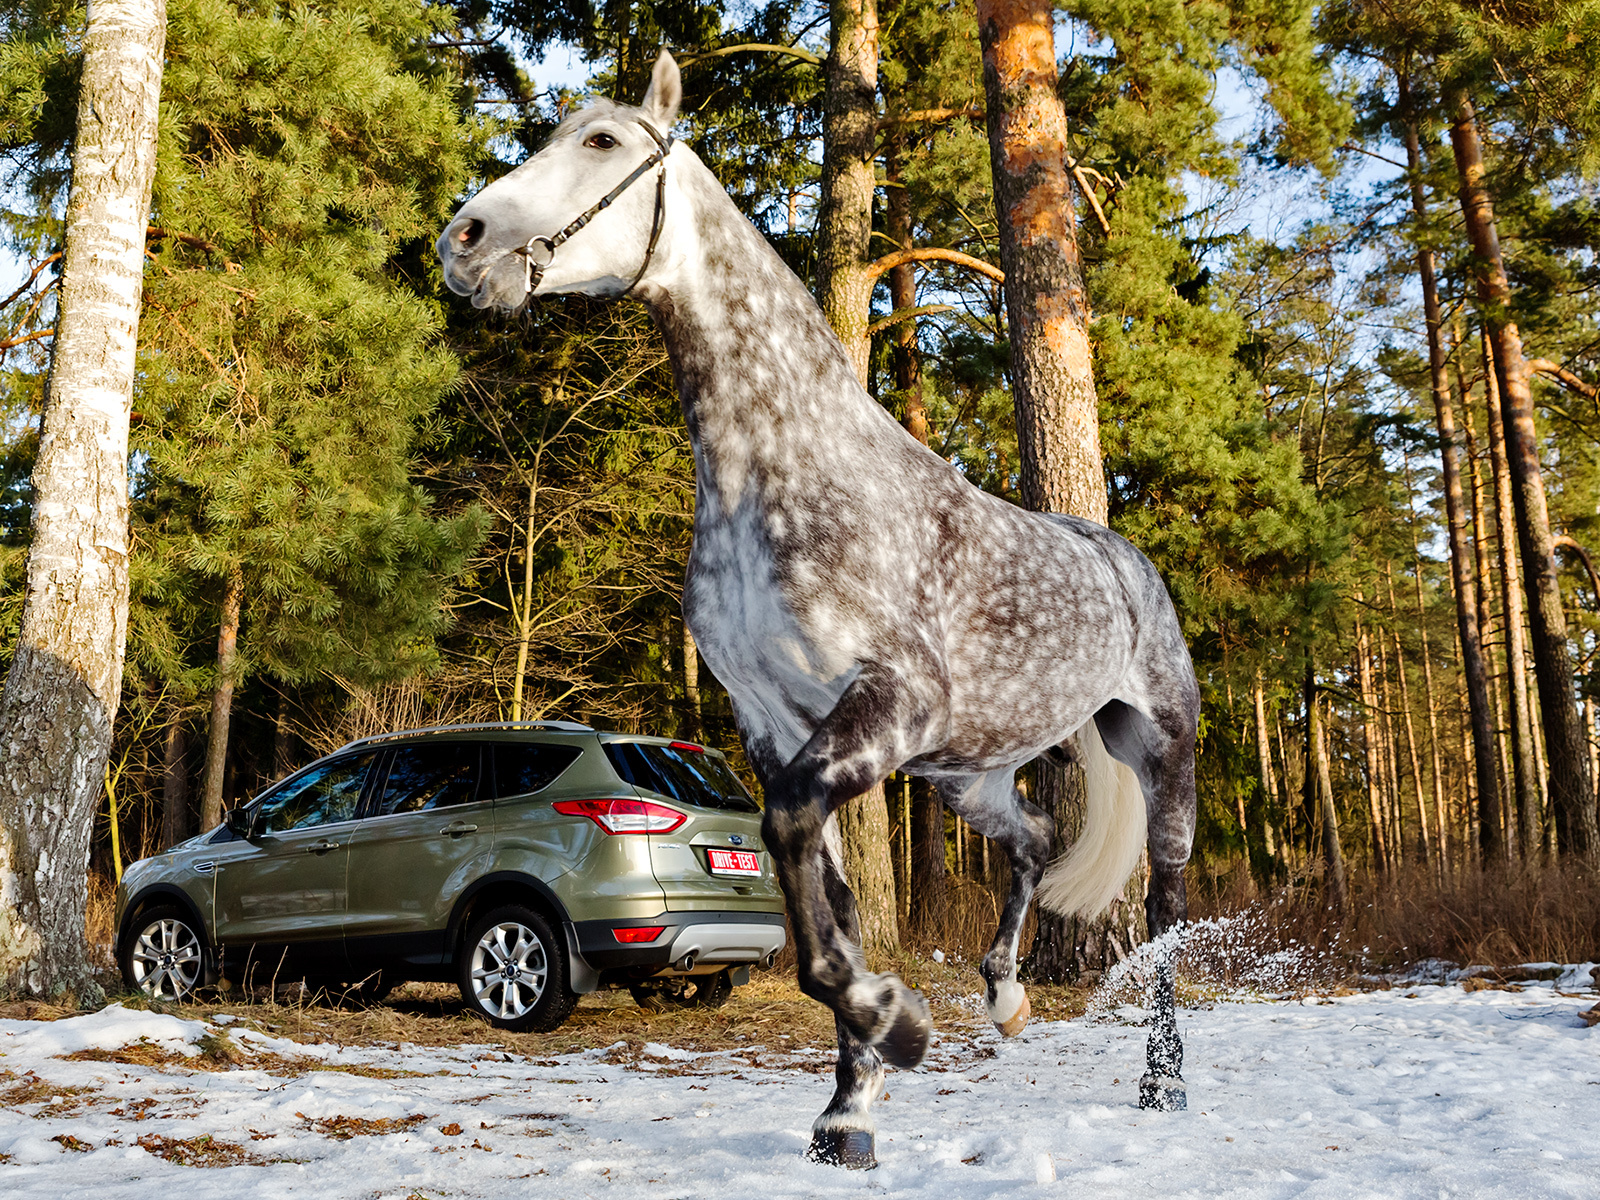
(661, 101)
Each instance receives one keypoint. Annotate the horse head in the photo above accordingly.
(528, 233)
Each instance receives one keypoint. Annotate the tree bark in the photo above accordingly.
(1269, 777)
(222, 702)
(175, 784)
(1455, 516)
(62, 691)
(1424, 840)
(694, 721)
(1319, 798)
(1047, 306)
(849, 151)
(1524, 762)
(844, 290)
(930, 893)
(1052, 381)
(1571, 791)
(902, 296)
(1369, 704)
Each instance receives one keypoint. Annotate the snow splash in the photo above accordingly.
(1221, 958)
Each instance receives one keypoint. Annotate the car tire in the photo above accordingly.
(695, 991)
(163, 954)
(513, 972)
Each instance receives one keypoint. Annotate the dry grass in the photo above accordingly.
(1496, 917)
(770, 1012)
(202, 1151)
(342, 1128)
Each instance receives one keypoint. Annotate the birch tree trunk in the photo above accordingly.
(844, 290)
(62, 691)
(222, 702)
(1571, 791)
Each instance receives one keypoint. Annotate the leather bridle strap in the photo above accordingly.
(540, 252)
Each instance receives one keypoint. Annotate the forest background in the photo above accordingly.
(360, 505)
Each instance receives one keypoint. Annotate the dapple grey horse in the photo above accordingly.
(867, 608)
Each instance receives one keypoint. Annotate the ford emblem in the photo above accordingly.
(735, 840)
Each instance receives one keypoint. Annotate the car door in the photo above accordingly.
(428, 823)
(286, 883)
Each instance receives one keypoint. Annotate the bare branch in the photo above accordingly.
(906, 314)
(1563, 542)
(933, 254)
(930, 116)
(755, 47)
(28, 283)
(155, 234)
(29, 337)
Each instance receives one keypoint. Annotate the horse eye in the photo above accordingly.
(601, 141)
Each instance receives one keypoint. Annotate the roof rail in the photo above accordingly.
(499, 726)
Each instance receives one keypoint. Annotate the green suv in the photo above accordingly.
(528, 863)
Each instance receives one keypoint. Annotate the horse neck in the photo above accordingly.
(768, 392)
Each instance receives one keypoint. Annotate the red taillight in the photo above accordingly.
(640, 933)
(624, 816)
(687, 746)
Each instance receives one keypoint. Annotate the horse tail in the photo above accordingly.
(1092, 871)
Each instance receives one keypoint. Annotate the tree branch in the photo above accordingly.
(930, 116)
(1543, 366)
(933, 254)
(759, 47)
(28, 283)
(155, 234)
(35, 336)
(906, 314)
(1563, 542)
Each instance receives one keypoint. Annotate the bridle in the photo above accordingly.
(545, 247)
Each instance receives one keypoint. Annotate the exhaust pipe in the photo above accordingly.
(686, 963)
(766, 963)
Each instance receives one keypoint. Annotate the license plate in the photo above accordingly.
(733, 862)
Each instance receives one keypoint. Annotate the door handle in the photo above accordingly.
(205, 868)
(321, 847)
(455, 828)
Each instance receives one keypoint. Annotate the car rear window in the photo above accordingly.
(529, 767)
(687, 776)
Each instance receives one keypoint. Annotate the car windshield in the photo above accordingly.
(689, 776)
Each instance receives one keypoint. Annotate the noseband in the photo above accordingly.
(540, 251)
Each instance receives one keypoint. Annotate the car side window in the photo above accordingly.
(321, 796)
(520, 769)
(428, 777)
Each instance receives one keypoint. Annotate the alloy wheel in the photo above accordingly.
(167, 959)
(509, 970)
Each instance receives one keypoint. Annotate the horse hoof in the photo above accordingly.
(907, 1040)
(1163, 1093)
(852, 1149)
(1010, 998)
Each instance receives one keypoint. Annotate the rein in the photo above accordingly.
(546, 246)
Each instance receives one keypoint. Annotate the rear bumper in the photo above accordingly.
(733, 938)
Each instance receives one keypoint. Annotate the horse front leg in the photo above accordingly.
(844, 1134)
(877, 724)
(992, 805)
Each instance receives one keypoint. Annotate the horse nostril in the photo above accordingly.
(466, 233)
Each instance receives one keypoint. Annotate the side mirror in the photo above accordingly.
(237, 821)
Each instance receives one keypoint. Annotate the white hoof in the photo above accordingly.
(1010, 1010)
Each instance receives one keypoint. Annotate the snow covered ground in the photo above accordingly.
(1419, 1091)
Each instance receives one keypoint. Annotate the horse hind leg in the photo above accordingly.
(1160, 749)
(991, 804)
